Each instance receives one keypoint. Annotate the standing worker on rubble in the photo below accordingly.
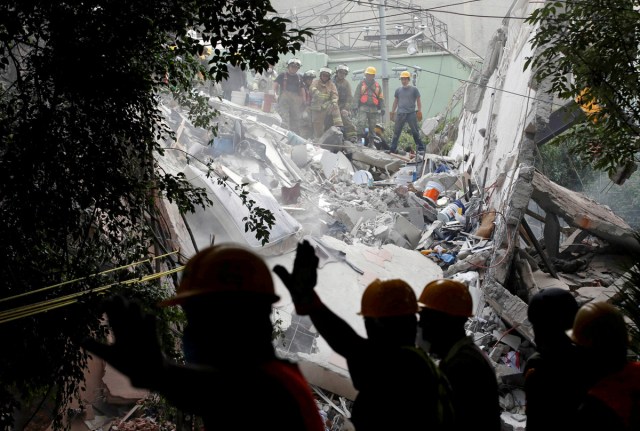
(445, 307)
(324, 103)
(306, 126)
(345, 101)
(405, 100)
(369, 102)
(399, 386)
(289, 93)
(232, 379)
(612, 401)
(551, 313)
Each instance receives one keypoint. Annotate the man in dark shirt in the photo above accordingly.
(405, 100)
(289, 91)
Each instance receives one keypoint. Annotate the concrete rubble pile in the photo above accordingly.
(483, 215)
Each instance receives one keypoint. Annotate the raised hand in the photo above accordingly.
(304, 275)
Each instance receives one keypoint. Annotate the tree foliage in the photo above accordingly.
(588, 50)
(79, 133)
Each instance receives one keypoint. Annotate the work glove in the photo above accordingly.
(344, 113)
(301, 281)
(392, 116)
(419, 115)
(136, 351)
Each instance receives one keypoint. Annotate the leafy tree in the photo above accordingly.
(79, 133)
(588, 49)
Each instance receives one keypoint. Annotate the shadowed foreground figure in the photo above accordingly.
(445, 306)
(552, 384)
(400, 388)
(232, 378)
(612, 402)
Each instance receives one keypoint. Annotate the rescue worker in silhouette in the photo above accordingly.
(445, 307)
(289, 92)
(612, 401)
(324, 103)
(345, 101)
(406, 98)
(369, 102)
(399, 386)
(306, 127)
(226, 293)
(551, 313)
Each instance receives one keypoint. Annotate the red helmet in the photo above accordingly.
(224, 268)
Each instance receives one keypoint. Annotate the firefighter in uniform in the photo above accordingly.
(324, 102)
(289, 93)
(306, 127)
(369, 101)
(345, 101)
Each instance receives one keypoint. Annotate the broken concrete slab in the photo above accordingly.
(582, 212)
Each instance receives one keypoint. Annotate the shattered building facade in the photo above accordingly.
(482, 214)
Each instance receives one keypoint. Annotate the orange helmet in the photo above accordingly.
(448, 296)
(601, 326)
(224, 268)
(388, 298)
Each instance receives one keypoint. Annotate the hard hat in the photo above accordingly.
(380, 126)
(388, 298)
(309, 74)
(342, 67)
(294, 61)
(552, 308)
(370, 70)
(224, 268)
(600, 325)
(405, 74)
(325, 70)
(448, 296)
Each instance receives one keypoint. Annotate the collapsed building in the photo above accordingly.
(481, 214)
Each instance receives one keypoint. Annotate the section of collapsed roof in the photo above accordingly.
(476, 215)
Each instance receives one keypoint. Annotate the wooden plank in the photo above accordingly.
(538, 248)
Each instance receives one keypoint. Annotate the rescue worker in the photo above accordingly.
(405, 100)
(306, 127)
(612, 402)
(236, 81)
(345, 101)
(386, 368)
(379, 142)
(445, 306)
(226, 293)
(289, 93)
(324, 103)
(551, 313)
(369, 101)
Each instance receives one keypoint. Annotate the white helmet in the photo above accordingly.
(342, 67)
(294, 61)
(325, 69)
(309, 74)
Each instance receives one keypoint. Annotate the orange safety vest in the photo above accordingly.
(366, 92)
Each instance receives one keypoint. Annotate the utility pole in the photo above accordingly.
(383, 56)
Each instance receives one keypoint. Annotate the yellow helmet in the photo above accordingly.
(224, 268)
(370, 70)
(448, 296)
(405, 74)
(388, 298)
